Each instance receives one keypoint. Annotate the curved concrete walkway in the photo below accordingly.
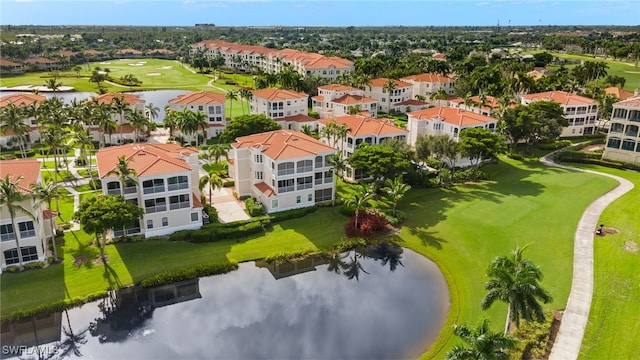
(576, 314)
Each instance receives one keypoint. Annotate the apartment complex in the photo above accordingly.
(426, 84)
(286, 107)
(623, 141)
(167, 186)
(388, 92)
(335, 100)
(282, 169)
(123, 131)
(445, 121)
(581, 112)
(21, 100)
(209, 103)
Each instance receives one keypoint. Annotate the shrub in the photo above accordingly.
(228, 183)
(212, 212)
(292, 214)
(214, 232)
(287, 256)
(533, 338)
(192, 272)
(347, 210)
(349, 244)
(394, 220)
(369, 223)
(253, 208)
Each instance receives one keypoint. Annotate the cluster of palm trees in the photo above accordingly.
(214, 178)
(515, 281)
(188, 122)
(287, 78)
(362, 199)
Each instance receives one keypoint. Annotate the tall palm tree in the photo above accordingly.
(151, 111)
(339, 165)
(170, 120)
(231, 96)
(53, 84)
(389, 87)
(11, 196)
(482, 343)
(103, 119)
(120, 106)
(213, 180)
(515, 281)
(45, 194)
(217, 151)
(396, 189)
(200, 119)
(71, 345)
(12, 119)
(187, 123)
(360, 201)
(55, 138)
(83, 140)
(126, 174)
(138, 121)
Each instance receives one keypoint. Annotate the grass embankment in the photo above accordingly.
(462, 229)
(613, 328)
(155, 74)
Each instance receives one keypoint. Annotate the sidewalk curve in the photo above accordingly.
(576, 314)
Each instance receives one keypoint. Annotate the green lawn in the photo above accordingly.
(65, 208)
(462, 229)
(49, 176)
(613, 326)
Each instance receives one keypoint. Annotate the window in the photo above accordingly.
(153, 186)
(285, 185)
(288, 103)
(318, 178)
(195, 217)
(6, 232)
(177, 183)
(179, 202)
(328, 176)
(149, 224)
(200, 108)
(29, 253)
(617, 127)
(155, 205)
(165, 221)
(319, 162)
(258, 158)
(274, 203)
(218, 109)
(324, 194)
(259, 175)
(305, 166)
(627, 144)
(286, 168)
(305, 183)
(310, 197)
(614, 143)
(113, 188)
(298, 199)
(212, 109)
(26, 229)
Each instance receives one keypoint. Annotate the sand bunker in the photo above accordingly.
(632, 72)
(154, 74)
(105, 63)
(165, 67)
(136, 64)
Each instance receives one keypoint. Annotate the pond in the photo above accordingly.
(159, 98)
(379, 303)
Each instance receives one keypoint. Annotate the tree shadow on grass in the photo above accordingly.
(112, 277)
(84, 253)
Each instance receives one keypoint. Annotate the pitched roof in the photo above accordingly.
(278, 94)
(298, 118)
(427, 77)
(29, 169)
(452, 116)
(631, 102)
(7, 62)
(621, 94)
(265, 189)
(283, 144)
(199, 97)
(145, 159)
(128, 98)
(21, 99)
(561, 97)
(353, 100)
(381, 82)
(337, 87)
(410, 102)
(360, 125)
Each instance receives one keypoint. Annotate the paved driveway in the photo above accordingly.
(229, 209)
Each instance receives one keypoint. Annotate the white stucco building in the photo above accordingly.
(445, 121)
(426, 84)
(335, 100)
(377, 89)
(207, 102)
(623, 141)
(581, 112)
(21, 100)
(123, 129)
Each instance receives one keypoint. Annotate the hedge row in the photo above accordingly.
(606, 163)
(192, 272)
(53, 307)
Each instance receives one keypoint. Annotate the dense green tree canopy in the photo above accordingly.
(479, 143)
(247, 125)
(378, 161)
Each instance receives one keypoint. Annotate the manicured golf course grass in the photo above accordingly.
(462, 229)
(613, 328)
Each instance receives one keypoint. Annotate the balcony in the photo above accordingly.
(130, 231)
(155, 209)
(8, 237)
(304, 169)
(179, 205)
(130, 190)
(27, 234)
(178, 186)
(305, 186)
(153, 189)
(284, 189)
(114, 192)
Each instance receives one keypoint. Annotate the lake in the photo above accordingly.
(380, 303)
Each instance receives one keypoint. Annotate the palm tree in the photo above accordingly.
(125, 174)
(200, 119)
(396, 189)
(53, 84)
(339, 165)
(231, 96)
(170, 120)
(151, 111)
(54, 137)
(120, 106)
(213, 180)
(11, 196)
(217, 151)
(12, 119)
(482, 343)
(82, 139)
(138, 121)
(187, 123)
(46, 194)
(360, 201)
(71, 344)
(389, 87)
(103, 119)
(514, 280)
(353, 268)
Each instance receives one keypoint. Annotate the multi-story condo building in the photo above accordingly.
(287, 107)
(248, 57)
(167, 186)
(123, 131)
(10, 67)
(581, 112)
(427, 84)
(445, 121)
(487, 106)
(337, 100)
(33, 229)
(623, 141)
(361, 129)
(377, 89)
(209, 103)
(20, 100)
(282, 169)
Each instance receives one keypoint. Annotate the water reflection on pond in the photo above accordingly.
(379, 303)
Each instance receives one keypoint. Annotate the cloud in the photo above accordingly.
(483, 3)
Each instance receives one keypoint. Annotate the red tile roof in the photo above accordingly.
(353, 100)
(381, 82)
(265, 189)
(200, 97)
(621, 94)
(7, 62)
(360, 125)
(427, 77)
(48, 214)
(196, 201)
(145, 159)
(128, 98)
(29, 169)
(298, 118)
(278, 94)
(451, 115)
(337, 87)
(439, 56)
(491, 102)
(21, 99)
(411, 102)
(631, 102)
(283, 144)
(561, 97)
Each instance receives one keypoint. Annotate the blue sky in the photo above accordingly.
(318, 12)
